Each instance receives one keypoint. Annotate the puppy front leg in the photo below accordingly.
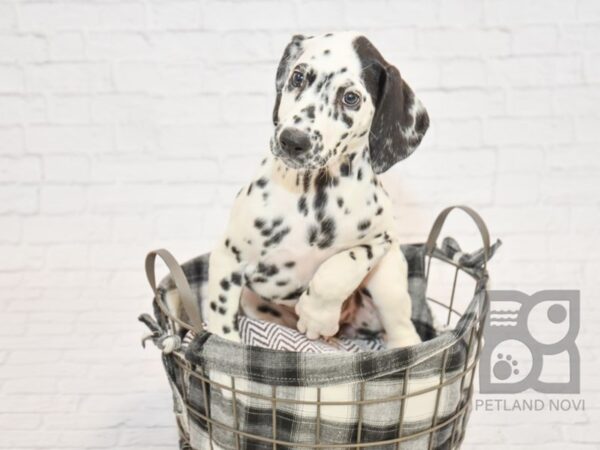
(320, 305)
(224, 290)
(388, 286)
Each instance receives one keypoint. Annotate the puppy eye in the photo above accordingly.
(351, 98)
(297, 78)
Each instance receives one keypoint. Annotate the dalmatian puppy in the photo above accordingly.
(315, 224)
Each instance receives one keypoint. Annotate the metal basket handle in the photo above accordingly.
(439, 223)
(188, 299)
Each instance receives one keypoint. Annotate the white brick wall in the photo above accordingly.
(126, 126)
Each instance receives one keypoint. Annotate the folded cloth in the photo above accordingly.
(260, 333)
(263, 334)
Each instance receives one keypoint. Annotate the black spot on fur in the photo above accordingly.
(379, 211)
(352, 255)
(249, 189)
(226, 329)
(310, 111)
(312, 234)
(340, 201)
(259, 223)
(421, 123)
(226, 242)
(236, 278)
(369, 251)
(290, 264)
(344, 169)
(282, 282)
(225, 284)
(294, 294)
(320, 199)
(222, 299)
(327, 233)
(262, 182)
(306, 181)
(267, 269)
(363, 225)
(213, 306)
(347, 120)
(222, 310)
(320, 85)
(359, 174)
(268, 310)
(277, 237)
(302, 205)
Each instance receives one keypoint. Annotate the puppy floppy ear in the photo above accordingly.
(290, 55)
(400, 120)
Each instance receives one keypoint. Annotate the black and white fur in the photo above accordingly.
(315, 224)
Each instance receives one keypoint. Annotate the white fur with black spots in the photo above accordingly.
(315, 224)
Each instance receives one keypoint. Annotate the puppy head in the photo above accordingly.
(335, 92)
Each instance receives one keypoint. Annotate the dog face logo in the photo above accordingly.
(524, 336)
(335, 92)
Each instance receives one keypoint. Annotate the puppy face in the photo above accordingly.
(324, 106)
(332, 91)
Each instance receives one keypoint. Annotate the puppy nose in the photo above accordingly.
(293, 140)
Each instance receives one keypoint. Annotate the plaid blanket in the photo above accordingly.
(298, 379)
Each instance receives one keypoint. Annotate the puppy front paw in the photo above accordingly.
(317, 316)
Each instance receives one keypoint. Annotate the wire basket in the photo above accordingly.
(232, 396)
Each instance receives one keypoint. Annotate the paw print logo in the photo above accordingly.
(523, 334)
(505, 367)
